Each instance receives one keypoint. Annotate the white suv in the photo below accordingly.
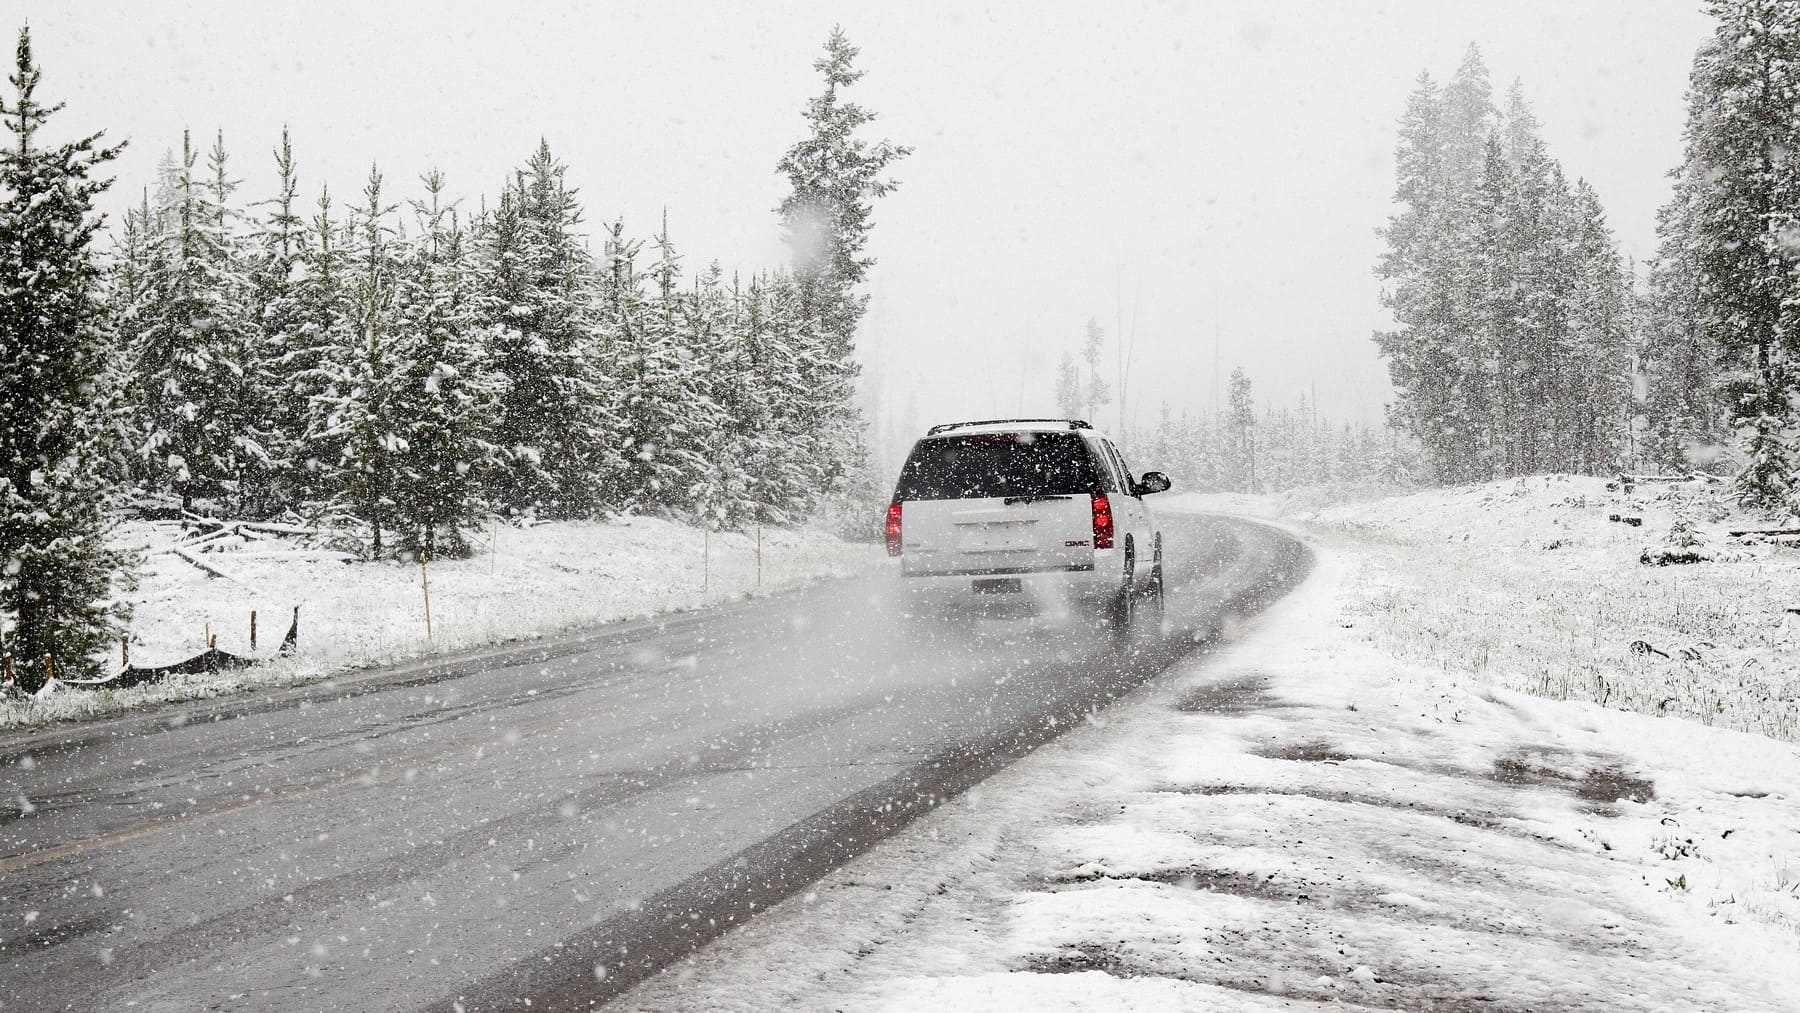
(1025, 512)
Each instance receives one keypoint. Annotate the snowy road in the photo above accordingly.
(552, 822)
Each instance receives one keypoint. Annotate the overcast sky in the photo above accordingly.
(1195, 168)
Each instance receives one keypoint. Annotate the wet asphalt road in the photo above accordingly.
(552, 822)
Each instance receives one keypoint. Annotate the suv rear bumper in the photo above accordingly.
(1036, 589)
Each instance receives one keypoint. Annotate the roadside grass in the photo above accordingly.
(1528, 586)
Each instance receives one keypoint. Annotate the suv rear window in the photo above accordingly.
(998, 464)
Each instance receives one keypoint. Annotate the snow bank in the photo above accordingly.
(524, 582)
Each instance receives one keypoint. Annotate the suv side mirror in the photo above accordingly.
(1153, 481)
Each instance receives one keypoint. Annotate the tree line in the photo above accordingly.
(1511, 345)
(1252, 449)
(400, 361)
(1520, 342)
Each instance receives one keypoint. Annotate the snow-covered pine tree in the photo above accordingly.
(1745, 232)
(190, 389)
(1599, 319)
(1468, 120)
(303, 369)
(1068, 386)
(443, 392)
(1097, 394)
(358, 408)
(1459, 276)
(1682, 405)
(765, 460)
(720, 495)
(664, 409)
(834, 178)
(1422, 287)
(277, 276)
(1491, 358)
(557, 434)
(1240, 459)
(247, 383)
(1534, 420)
(57, 568)
(128, 295)
(810, 400)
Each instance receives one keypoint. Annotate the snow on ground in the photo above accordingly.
(1328, 812)
(1531, 584)
(522, 582)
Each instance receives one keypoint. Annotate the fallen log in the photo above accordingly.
(298, 555)
(207, 568)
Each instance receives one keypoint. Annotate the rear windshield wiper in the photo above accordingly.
(1012, 500)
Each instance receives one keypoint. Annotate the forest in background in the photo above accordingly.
(398, 366)
(414, 364)
(1521, 343)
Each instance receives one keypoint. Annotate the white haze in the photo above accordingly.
(1191, 170)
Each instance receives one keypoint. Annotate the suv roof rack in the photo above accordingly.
(946, 427)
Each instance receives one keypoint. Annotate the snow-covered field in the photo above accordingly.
(521, 582)
(1529, 584)
(1359, 804)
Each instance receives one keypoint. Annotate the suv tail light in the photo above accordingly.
(1103, 522)
(893, 528)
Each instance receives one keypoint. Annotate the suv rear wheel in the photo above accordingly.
(1121, 611)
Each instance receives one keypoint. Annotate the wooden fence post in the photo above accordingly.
(252, 631)
(705, 557)
(425, 584)
(49, 670)
(124, 652)
(759, 555)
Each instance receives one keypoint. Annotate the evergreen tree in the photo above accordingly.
(774, 468)
(1422, 286)
(278, 276)
(58, 569)
(304, 368)
(1509, 302)
(442, 391)
(1740, 133)
(666, 412)
(1098, 394)
(1068, 387)
(1683, 406)
(1241, 425)
(555, 427)
(1600, 399)
(1469, 117)
(128, 296)
(720, 495)
(359, 410)
(193, 383)
(834, 178)
(245, 380)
